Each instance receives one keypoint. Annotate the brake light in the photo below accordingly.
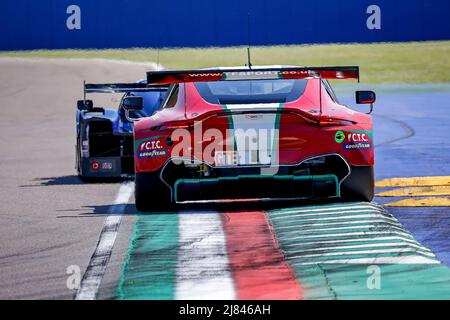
(171, 127)
(334, 122)
(95, 165)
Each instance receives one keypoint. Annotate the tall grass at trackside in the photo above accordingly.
(406, 62)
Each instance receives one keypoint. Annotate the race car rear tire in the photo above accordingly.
(151, 194)
(359, 185)
(78, 160)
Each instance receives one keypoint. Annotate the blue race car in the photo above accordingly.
(104, 144)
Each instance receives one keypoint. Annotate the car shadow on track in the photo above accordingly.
(99, 210)
(239, 206)
(70, 181)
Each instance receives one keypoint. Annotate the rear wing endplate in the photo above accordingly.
(157, 78)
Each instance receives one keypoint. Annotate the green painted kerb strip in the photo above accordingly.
(320, 236)
(397, 281)
(149, 270)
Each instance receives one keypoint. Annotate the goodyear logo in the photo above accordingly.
(357, 145)
(153, 153)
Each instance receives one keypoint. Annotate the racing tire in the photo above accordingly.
(79, 167)
(150, 193)
(78, 160)
(359, 185)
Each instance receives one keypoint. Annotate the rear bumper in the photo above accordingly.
(250, 187)
(319, 177)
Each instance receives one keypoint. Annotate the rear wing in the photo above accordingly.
(113, 88)
(121, 87)
(158, 78)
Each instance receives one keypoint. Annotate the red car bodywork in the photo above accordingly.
(312, 126)
(300, 137)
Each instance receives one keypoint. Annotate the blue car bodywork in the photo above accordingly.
(104, 145)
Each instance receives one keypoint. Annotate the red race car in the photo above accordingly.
(230, 134)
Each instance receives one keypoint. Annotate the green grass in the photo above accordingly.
(409, 62)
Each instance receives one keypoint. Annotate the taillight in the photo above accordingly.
(171, 127)
(334, 122)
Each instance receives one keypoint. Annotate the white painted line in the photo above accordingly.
(99, 260)
(314, 243)
(203, 270)
(346, 253)
(345, 218)
(370, 245)
(377, 260)
(348, 234)
(368, 226)
(306, 226)
(315, 209)
(378, 213)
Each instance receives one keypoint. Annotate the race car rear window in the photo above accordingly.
(251, 91)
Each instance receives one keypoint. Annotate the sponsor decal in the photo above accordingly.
(354, 139)
(153, 153)
(339, 136)
(250, 75)
(357, 145)
(152, 148)
(358, 137)
(150, 145)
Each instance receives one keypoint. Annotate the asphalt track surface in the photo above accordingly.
(50, 220)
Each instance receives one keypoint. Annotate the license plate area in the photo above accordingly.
(226, 158)
(236, 158)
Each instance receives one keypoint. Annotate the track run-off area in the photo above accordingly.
(393, 248)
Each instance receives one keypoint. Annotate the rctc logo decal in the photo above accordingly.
(150, 145)
(357, 137)
(152, 149)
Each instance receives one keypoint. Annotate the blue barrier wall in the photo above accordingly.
(33, 24)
